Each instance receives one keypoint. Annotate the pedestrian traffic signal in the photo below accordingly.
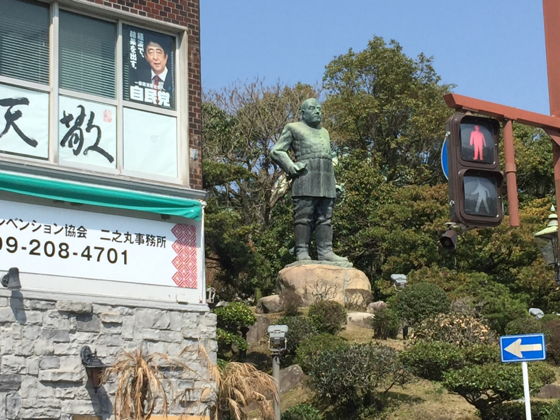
(475, 180)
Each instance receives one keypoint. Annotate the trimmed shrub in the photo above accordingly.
(234, 321)
(431, 360)
(420, 301)
(481, 354)
(291, 302)
(385, 324)
(228, 339)
(549, 317)
(299, 329)
(524, 325)
(357, 374)
(311, 348)
(553, 340)
(328, 316)
(301, 412)
(485, 386)
(516, 411)
(235, 316)
(499, 307)
(454, 328)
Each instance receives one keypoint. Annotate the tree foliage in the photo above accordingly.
(391, 106)
(420, 301)
(357, 374)
(328, 316)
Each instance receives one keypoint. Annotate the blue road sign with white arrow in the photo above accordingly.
(522, 348)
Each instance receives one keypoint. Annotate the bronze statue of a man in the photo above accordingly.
(314, 186)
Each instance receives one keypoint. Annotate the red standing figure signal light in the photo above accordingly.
(478, 141)
(475, 179)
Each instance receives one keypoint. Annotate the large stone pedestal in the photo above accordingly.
(314, 281)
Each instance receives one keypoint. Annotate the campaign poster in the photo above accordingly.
(149, 67)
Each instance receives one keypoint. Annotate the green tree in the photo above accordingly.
(533, 159)
(391, 106)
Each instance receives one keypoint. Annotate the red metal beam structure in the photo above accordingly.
(508, 114)
(551, 13)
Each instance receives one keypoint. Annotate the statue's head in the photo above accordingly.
(311, 112)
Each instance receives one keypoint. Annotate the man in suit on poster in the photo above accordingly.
(157, 76)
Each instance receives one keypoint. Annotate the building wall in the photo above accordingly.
(42, 333)
(41, 374)
(187, 14)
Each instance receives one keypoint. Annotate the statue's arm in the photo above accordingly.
(279, 152)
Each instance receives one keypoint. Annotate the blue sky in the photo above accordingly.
(491, 49)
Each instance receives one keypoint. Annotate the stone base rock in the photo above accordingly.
(346, 264)
(376, 306)
(314, 282)
(258, 330)
(549, 391)
(361, 319)
(290, 378)
(269, 305)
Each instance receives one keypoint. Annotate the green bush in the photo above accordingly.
(235, 317)
(328, 316)
(356, 375)
(312, 347)
(385, 324)
(454, 328)
(234, 321)
(549, 317)
(524, 325)
(552, 329)
(552, 412)
(485, 386)
(301, 412)
(499, 307)
(481, 354)
(228, 339)
(299, 329)
(516, 411)
(430, 360)
(420, 301)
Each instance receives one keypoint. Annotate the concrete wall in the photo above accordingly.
(41, 374)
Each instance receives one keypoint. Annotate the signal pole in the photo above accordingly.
(551, 13)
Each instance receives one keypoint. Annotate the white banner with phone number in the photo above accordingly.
(73, 243)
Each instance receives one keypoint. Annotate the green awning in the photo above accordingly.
(98, 196)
